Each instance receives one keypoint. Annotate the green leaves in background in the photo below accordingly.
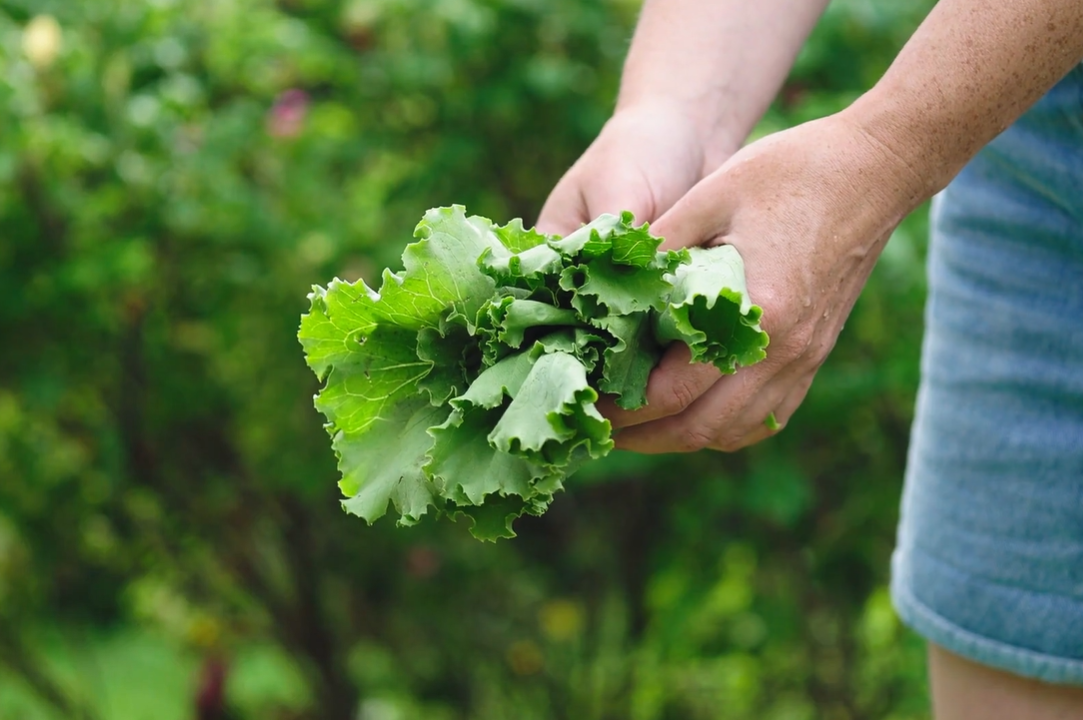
(472, 376)
(175, 176)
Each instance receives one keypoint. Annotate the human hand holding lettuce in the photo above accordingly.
(809, 238)
(811, 208)
(468, 383)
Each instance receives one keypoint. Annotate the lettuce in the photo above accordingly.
(467, 384)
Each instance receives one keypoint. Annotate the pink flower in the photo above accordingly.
(286, 118)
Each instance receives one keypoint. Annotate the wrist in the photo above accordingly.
(928, 130)
(893, 124)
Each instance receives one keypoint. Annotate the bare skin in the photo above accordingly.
(690, 94)
(810, 208)
(963, 690)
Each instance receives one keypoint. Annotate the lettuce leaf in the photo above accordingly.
(467, 385)
(710, 311)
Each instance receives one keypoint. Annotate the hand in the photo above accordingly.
(644, 160)
(809, 209)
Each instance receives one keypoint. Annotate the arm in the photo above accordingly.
(969, 71)
(810, 208)
(698, 76)
(721, 61)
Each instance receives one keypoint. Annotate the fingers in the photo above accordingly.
(729, 416)
(755, 429)
(673, 386)
(701, 424)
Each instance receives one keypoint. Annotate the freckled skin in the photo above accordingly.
(973, 67)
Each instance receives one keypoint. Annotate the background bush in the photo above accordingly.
(173, 178)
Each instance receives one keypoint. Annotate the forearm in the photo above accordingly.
(970, 70)
(719, 61)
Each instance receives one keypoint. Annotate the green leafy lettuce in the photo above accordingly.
(467, 384)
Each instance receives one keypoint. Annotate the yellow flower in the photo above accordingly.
(42, 41)
(204, 631)
(560, 620)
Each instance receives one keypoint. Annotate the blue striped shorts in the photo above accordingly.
(989, 561)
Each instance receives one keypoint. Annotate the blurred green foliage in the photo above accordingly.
(173, 178)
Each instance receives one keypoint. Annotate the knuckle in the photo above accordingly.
(692, 438)
(677, 395)
(730, 444)
(799, 341)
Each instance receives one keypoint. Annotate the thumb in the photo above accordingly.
(702, 215)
